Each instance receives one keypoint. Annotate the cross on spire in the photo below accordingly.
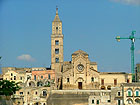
(56, 10)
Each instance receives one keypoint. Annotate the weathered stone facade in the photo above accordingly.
(131, 93)
(80, 73)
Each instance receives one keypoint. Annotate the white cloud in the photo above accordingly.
(134, 2)
(26, 57)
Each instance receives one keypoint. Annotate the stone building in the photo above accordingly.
(6, 69)
(31, 96)
(137, 73)
(114, 79)
(43, 74)
(131, 93)
(17, 76)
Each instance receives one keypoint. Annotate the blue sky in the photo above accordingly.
(89, 25)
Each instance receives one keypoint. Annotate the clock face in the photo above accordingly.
(80, 67)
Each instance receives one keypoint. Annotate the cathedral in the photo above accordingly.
(80, 72)
(75, 82)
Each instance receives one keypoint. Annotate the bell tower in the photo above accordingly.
(57, 44)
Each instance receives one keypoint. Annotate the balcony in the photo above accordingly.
(130, 96)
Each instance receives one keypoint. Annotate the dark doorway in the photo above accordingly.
(79, 85)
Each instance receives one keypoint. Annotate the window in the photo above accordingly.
(130, 101)
(28, 93)
(119, 102)
(129, 92)
(92, 101)
(56, 60)
(102, 81)
(137, 93)
(11, 74)
(109, 87)
(92, 79)
(68, 80)
(21, 93)
(127, 80)
(44, 104)
(119, 93)
(44, 93)
(42, 77)
(56, 42)
(108, 101)
(115, 81)
(11, 78)
(57, 51)
(35, 77)
(14, 77)
(20, 78)
(36, 93)
(49, 76)
(56, 28)
(97, 101)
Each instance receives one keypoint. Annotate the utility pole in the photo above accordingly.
(132, 38)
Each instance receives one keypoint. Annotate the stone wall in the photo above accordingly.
(5, 100)
(67, 99)
(72, 97)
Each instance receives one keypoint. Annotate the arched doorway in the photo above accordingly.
(79, 85)
(103, 87)
(109, 87)
(80, 82)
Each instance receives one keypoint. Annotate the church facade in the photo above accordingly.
(80, 72)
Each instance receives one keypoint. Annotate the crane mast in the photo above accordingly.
(132, 38)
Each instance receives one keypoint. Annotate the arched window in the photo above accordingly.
(68, 80)
(137, 92)
(44, 93)
(109, 87)
(92, 79)
(129, 101)
(32, 84)
(103, 87)
(137, 101)
(47, 83)
(129, 92)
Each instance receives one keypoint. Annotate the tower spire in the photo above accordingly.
(57, 16)
(56, 10)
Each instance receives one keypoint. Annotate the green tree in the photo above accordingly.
(8, 88)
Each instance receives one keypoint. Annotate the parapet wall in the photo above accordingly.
(72, 97)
